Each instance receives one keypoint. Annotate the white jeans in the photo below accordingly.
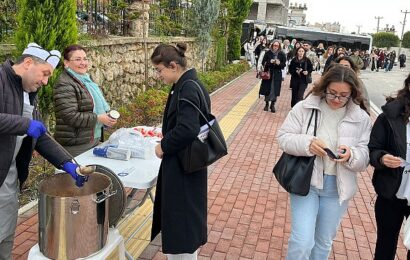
(193, 256)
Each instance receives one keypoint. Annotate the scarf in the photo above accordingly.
(100, 105)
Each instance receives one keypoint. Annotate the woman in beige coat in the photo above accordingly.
(343, 128)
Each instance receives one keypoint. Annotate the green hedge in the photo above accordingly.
(216, 79)
(148, 107)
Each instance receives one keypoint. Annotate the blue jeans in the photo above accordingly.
(315, 220)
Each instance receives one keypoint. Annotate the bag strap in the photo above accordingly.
(200, 91)
(195, 106)
(314, 111)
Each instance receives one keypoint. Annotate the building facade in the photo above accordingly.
(297, 16)
(269, 12)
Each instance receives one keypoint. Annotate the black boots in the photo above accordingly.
(266, 106)
(272, 107)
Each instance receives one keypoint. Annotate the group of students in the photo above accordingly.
(344, 127)
(381, 59)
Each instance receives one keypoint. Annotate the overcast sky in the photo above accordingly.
(350, 13)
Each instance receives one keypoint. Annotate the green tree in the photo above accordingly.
(8, 11)
(406, 40)
(385, 39)
(170, 18)
(52, 24)
(205, 15)
(238, 10)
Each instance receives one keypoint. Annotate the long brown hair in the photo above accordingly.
(340, 73)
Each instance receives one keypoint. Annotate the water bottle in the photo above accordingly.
(112, 152)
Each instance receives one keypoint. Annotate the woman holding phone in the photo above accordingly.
(389, 150)
(342, 133)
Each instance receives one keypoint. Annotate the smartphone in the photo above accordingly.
(331, 154)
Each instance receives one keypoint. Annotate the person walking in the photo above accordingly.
(300, 67)
(392, 58)
(180, 207)
(80, 107)
(402, 60)
(373, 58)
(343, 127)
(22, 131)
(273, 61)
(356, 59)
(389, 153)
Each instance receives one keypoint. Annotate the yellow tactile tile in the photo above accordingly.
(231, 120)
(136, 245)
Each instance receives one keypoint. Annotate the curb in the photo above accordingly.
(375, 108)
(27, 207)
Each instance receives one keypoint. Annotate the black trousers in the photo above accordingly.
(297, 93)
(390, 214)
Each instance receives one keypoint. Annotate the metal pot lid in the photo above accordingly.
(118, 201)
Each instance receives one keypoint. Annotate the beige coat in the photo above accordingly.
(354, 131)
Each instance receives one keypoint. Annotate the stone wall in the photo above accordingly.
(121, 66)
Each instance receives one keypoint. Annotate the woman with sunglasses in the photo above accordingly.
(390, 155)
(343, 127)
(80, 107)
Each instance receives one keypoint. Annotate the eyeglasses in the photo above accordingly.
(333, 96)
(78, 60)
(158, 70)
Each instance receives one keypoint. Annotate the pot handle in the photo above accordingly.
(104, 196)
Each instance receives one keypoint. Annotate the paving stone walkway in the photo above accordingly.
(248, 212)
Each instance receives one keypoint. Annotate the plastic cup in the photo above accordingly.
(114, 114)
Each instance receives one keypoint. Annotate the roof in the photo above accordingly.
(313, 34)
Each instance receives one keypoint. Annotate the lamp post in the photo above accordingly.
(402, 30)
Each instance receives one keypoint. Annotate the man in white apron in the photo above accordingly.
(21, 132)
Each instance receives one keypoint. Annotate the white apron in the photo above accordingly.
(9, 204)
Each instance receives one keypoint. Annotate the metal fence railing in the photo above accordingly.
(103, 16)
(167, 17)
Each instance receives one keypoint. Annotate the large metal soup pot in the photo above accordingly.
(73, 222)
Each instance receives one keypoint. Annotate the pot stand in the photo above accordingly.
(114, 241)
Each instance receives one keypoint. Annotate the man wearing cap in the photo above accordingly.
(21, 132)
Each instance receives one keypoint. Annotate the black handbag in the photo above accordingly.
(309, 75)
(202, 153)
(295, 172)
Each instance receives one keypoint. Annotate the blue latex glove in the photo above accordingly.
(36, 129)
(71, 168)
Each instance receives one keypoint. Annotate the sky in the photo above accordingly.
(351, 13)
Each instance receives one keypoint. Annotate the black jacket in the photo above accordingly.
(298, 79)
(275, 72)
(180, 208)
(388, 136)
(12, 124)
